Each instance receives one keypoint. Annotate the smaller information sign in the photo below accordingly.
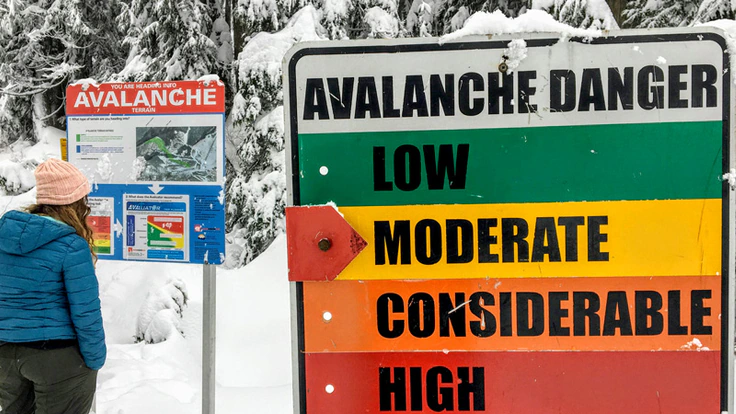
(154, 152)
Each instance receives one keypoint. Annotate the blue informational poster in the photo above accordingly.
(155, 156)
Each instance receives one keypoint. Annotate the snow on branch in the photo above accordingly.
(496, 23)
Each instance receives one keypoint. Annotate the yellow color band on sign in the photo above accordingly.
(573, 239)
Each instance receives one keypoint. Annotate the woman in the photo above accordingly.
(51, 338)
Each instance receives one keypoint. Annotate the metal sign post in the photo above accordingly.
(209, 332)
(525, 223)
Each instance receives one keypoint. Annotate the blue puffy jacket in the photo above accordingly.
(48, 287)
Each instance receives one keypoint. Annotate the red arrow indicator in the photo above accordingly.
(320, 243)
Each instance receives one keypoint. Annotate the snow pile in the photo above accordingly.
(103, 172)
(210, 78)
(587, 14)
(253, 339)
(514, 54)
(730, 177)
(86, 83)
(142, 378)
(18, 202)
(695, 344)
(16, 177)
(160, 315)
(496, 23)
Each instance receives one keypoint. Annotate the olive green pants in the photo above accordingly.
(45, 381)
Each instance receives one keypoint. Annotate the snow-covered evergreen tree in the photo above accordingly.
(222, 37)
(257, 192)
(647, 14)
(586, 14)
(255, 16)
(715, 10)
(101, 61)
(361, 19)
(42, 48)
(168, 40)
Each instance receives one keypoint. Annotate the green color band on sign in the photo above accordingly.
(519, 165)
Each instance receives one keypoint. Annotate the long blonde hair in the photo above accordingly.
(74, 214)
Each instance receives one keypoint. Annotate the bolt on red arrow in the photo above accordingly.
(320, 243)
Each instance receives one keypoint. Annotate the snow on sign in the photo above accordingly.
(529, 236)
(155, 155)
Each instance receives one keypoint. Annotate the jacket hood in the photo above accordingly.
(21, 232)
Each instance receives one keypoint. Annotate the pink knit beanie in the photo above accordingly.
(59, 183)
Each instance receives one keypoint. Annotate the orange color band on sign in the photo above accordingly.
(634, 314)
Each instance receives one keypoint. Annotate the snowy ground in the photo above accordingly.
(253, 340)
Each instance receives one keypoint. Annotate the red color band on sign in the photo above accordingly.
(669, 382)
(146, 98)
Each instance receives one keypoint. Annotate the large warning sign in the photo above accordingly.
(465, 237)
(154, 152)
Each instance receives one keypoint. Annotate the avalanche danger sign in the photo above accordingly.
(464, 237)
